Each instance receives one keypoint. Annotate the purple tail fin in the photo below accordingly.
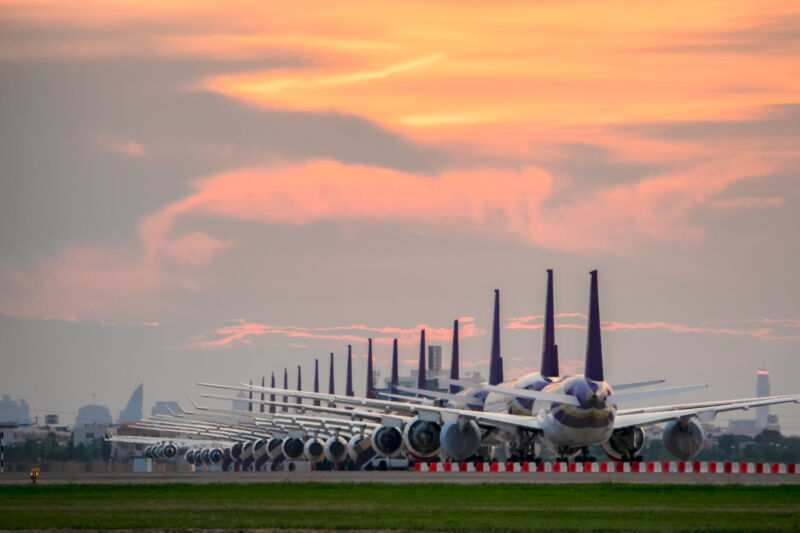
(370, 382)
(272, 396)
(549, 348)
(421, 379)
(330, 380)
(454, 359)
(495, 361)
(285, 387)
(316, 379)
(299, 385)
(395, 376)
(349, 385)
(263, 382)
(594, 349)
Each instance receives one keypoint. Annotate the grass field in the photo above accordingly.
(584, 507)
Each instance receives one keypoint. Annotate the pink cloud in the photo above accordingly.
(242, 333)
(613, 219)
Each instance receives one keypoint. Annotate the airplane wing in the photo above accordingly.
(427, 412)
(704, 411)
(442, 395)
(517, 393)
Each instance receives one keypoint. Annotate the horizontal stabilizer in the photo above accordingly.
(518, 393)
(442, 395)
(625, 386)
(647, 394)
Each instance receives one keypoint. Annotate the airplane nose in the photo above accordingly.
(595, 401)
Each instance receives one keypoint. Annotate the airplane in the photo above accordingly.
(569, 414)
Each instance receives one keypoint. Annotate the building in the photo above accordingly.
(93, 414)
(433, 373)
(86, 433)
(14, 412)
(763, 420)
(133, 411)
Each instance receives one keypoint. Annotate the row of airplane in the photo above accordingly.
(471, 421)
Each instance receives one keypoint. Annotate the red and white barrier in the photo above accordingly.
(667, 467)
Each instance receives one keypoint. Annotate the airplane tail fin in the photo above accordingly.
(330, 379)
(594, 348)
(316, 379)
(395, 373)
(349, 385)
(454, 361)
(370, 382)
(495, 361)
(421, 379)
(549, 348)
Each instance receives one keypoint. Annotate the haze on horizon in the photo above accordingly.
(213, 192)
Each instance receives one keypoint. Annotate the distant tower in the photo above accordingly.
(762, 389)
(434, 358)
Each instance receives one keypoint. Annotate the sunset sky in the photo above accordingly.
(196, 191)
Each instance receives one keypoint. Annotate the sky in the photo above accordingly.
(206, 191)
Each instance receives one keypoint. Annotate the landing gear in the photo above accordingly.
(584, 456)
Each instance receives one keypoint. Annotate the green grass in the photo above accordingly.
(434, 507)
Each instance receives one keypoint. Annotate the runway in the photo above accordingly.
(399, 477)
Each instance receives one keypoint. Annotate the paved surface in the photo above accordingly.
(21, 478)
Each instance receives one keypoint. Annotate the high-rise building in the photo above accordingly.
(434, 358)
(762, 389)
(133, 411)
(14, 412)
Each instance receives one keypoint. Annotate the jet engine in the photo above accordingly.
(205, 455)
(148, 452)
(421, 438)
(387, 441)
(215, 455)
(460, 440)
(360, 449)
(189, 456)
(335, 449)
(236, 451)
(314, 450)
(293, 448)
(624, 444)
(274, 448)
(683, 438)
(157, 451)
(169, 451)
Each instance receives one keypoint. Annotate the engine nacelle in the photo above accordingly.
(314, 450)
(335, 449)
(158, 451)
(205, 456)
(274, 448)
(247, 451)
(421, 438)
(387, 441)
(460, 440)
(215, 455)
(360, 449)
(683, 438)
(189, 456)
(259, 448)
(148, 452)
(169, 451)
(624, 444)
(293, 448)
(236, 451)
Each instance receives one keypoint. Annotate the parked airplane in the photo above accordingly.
(569, 414)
